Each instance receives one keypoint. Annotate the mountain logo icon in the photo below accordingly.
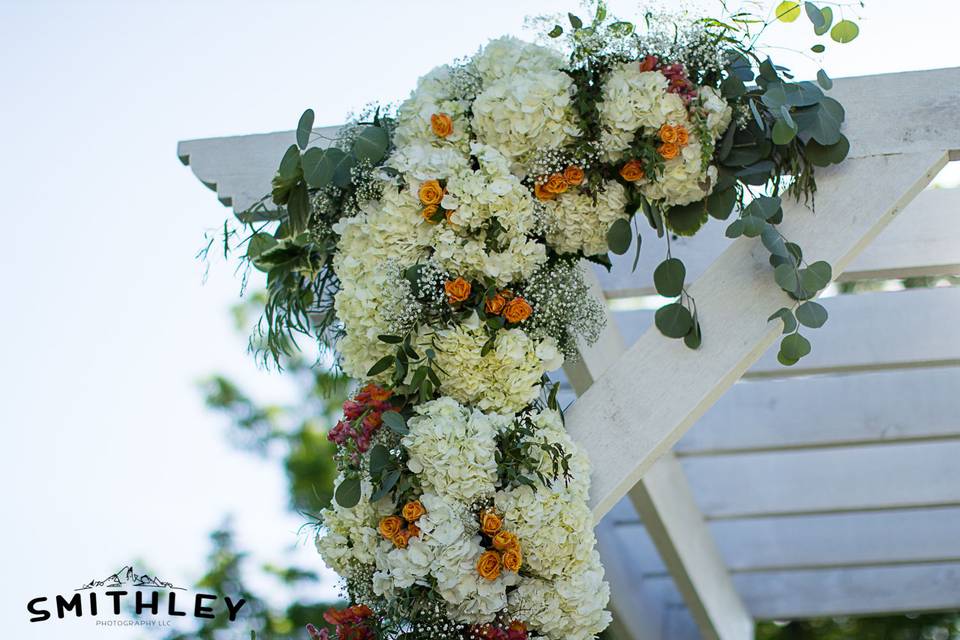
(127, 577)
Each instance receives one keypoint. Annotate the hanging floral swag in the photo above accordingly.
(437, 247)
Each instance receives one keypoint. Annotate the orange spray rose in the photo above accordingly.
(488, 565)
(517, 310)
(431, 192)
(390, 526)
(457, 290)
(441, 124)
(573, 175)
(668, 150)
(413, 510)
(632, 171)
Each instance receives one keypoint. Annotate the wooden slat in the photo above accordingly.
(923, 241)
(790, 595)
(826, 480)
(835, 540)
(240, 168)
(872, 331)
(666, 505)
(823, 411)
(664, 387)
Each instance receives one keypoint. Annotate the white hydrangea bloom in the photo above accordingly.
(433, 95)
(504, 380)
(422, 160)
(373, 246)
(634, 100)
(571, 608)
(683, 178)
(507, 56)
(575, 222)
(719, 112)
(524, 112)
(452, 449)
(468, 255)
(350, 535)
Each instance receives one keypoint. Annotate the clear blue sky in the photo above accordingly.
(108, 454)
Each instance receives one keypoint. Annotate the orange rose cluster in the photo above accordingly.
(558, 183)
(399, 530)
(514, 309)
(672, 139)
(431, 193)
(504, 548)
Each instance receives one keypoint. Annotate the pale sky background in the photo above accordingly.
(108, 454)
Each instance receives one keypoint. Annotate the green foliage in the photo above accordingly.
(927, 626)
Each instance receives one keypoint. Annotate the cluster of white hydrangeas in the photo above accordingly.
(504, 380)
(452, 449)
(569, 608)
(385, 234)
(576, 223)
(446, 550)
(525, 100)
(635, 100)
(350, 535)
(468, 256)
(719, 113)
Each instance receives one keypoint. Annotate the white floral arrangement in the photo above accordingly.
(438, 249)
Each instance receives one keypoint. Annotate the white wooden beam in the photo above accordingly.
(922, 241)
(821, 541)
(664, 388)
(666, 506)
(862, 478)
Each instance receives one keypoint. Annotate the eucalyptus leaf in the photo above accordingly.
(773, 241)
(687, 219)
(818, 48)
(827, 14)
(395, 422)
(818, 275)
(844, 31)
(732, 87)
(822, 121)
(290, 163)
(811, 314)
(764, 207)
(305, 128)
(753, 226)
(556, 32)
(379, 458)
(669, 276)
(694, 337)
(822, 156)
(619, 236)
(814, 14)
(785, 275)
(673, 320)
(824, 80)
(735, 230)
(298, 207)
(788, 11)
(319, 165)
(347, 494)
(721, 202)
(371, 144)
(388, 483)
(787, 317)
(795, 346)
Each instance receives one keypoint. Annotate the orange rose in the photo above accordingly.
(414, 530)
(682, 136)
(505, 540)
(488, 566)
(573, 175)
(517, 626)
(517, 310)
(668, 150)
(490, 522)
(512, 559)
(632, 171)
(541, 193)
(555, 184)
(495, 305)
(441, 124)
(431, 192)
(402, 539)
(668, 133)
(457, 290)
(390, 526)
(413, 510)
(428, 212)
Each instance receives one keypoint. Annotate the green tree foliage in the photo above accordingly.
(929, 626)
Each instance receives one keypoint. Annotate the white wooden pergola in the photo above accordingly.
(727, 488)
